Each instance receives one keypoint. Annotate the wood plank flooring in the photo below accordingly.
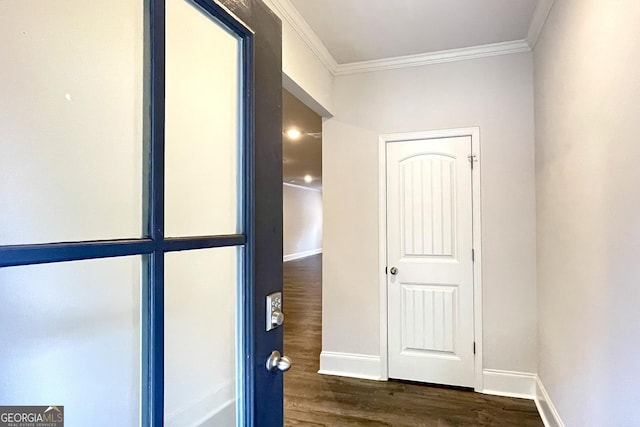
(312, 399)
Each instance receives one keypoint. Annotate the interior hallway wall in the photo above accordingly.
(587, 108)
(302, 218)
(303, 74)
(493, 93)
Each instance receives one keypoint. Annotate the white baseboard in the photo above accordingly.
(509, 383)
(548, 412)
(215, 408)
(350, 365)
(299, 255)
(223, 416)
(522, 385)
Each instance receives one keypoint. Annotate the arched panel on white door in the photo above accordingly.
(427, 199)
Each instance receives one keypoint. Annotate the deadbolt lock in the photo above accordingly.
(275, 316)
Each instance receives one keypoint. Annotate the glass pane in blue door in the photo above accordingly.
(200, 337)
(71, 337)
(202, 123)
(71, 120)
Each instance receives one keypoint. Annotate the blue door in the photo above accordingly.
(141, 211)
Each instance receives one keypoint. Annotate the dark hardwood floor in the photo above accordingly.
(312, 399)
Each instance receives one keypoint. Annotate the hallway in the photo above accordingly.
(318, 400)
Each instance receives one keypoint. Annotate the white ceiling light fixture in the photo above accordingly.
(308, 179)
(293, 133)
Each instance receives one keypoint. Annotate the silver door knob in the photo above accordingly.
(393, 271)
(277, 318)
(277, 361)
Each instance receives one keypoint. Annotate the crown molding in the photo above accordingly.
(540, 15)
(287, 12)
(482, 51)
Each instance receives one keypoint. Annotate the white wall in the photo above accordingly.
(304, 68)
(587, 88)
(304, 74)
(302, 220)
(495, 94)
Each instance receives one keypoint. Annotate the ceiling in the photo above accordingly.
(363, 30)
(353, 31)
(302, 156)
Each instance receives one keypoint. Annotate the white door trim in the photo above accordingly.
(474, 133)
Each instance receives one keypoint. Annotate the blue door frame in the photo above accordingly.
(261, 153)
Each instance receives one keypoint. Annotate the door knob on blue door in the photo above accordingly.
(279, 362)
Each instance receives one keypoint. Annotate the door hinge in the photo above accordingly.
(473, 255)
(472, 159)
(474, 347)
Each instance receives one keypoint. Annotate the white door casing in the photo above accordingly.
(429, 240)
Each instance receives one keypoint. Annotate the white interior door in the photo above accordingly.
(429, 251)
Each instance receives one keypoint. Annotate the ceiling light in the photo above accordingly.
(308, 178)
(294, 133)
